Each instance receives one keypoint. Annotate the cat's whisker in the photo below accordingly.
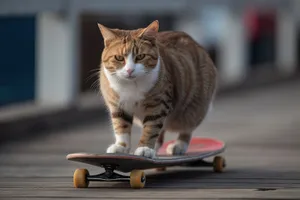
(95, 85)
(93, 75)
(97, 69)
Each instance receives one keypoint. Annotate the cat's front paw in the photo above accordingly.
(177, 148)
(117, 148)
(145, 151)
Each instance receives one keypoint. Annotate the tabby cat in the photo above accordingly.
(164, 81)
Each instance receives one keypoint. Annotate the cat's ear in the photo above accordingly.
(108, 34)
(151, 28)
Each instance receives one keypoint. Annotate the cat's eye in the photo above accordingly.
(119, 58)
(140, 56)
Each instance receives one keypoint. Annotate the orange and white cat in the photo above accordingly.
(164, 81)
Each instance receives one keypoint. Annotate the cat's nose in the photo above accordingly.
(129, 71)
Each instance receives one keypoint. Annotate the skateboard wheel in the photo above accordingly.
(137, 179)
(218, 163)
(80, 178)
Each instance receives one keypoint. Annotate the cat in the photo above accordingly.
(163, 81)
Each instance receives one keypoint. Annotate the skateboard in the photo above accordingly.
(199, 149)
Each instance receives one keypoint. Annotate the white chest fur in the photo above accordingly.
(130, 94)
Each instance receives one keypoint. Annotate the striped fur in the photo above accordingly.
(171, 87)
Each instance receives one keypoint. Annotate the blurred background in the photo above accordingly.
(50, 50)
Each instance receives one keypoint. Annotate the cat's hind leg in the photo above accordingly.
(180, 146)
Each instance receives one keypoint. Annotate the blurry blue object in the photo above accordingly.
(17, 64)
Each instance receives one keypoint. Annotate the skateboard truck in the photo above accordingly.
(108, 175)
(82, 177)
(203, 163)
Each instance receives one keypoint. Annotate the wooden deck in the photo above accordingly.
(261, 129)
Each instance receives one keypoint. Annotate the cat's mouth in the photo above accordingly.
(126, 76)
(130, 77)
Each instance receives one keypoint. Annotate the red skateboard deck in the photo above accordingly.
(199, 149)
(197, 146)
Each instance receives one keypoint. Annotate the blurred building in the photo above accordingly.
(50, 50)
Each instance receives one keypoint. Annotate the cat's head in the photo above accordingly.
(130, 54)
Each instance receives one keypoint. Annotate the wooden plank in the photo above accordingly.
(108, 193)
(260, 128)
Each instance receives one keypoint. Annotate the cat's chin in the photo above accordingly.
(130, 78)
